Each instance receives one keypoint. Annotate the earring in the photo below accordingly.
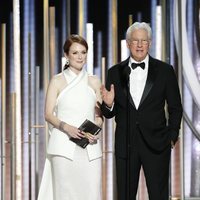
(67, 62)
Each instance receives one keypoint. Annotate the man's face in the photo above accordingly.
(139, 44)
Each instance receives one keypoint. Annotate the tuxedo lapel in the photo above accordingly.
(130, 98)
(150, 80)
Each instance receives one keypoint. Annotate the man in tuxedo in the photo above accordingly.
(136, 93)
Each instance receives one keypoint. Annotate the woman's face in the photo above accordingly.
(77, 57)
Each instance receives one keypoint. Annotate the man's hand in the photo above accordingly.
(108, 96)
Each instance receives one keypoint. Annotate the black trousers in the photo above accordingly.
(155, 166)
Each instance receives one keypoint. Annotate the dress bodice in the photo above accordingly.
(77, 101)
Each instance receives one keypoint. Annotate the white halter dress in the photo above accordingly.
(81, 170)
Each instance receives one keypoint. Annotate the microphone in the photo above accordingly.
(126, 73)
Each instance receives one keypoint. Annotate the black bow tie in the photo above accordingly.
(135, 65)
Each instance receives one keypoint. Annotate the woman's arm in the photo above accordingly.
(98, 113)
(95, 83)
(50, 103)
(54, 88)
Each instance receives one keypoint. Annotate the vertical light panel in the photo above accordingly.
(52, 40)
(10, 89)
(13, 147)
(90, 41)
(130, 20)
(27, 135)
(17, 78)
(110, 125)
(46, 45)
(36, 136)
(179, 22)
(192, 150)
(82, 17)
(153, 26)
(28, 75)
(172, 44)
(25, 99)
(111, 37)
(46, 63)
(99, 42)
(124, 50)
(175, 155)
(112, 32)
(3, 107)
(1, 143)
(164, 32)
(163, 25)
(65, 20)
(32, 107)
(158, 32)
(2, 148)
(177, 181)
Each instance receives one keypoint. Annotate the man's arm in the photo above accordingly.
(174, 105)
(108, 95)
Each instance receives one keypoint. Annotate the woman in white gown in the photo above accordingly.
(71, 172)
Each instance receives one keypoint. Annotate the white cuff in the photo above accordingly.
(110, 108)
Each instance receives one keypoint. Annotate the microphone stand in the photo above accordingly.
(128, 135)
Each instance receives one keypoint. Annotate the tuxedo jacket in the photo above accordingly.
(159, 114)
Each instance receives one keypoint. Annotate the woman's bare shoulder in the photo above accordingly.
(94, 83)
(57, 77)
(58, 81)
(94, 80)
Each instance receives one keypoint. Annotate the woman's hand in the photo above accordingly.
(73, 131)
(92, 138)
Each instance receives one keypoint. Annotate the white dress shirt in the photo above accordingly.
(138, 79)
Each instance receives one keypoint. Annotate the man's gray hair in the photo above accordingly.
(136, 26)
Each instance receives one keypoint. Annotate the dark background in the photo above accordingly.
(97, 14)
